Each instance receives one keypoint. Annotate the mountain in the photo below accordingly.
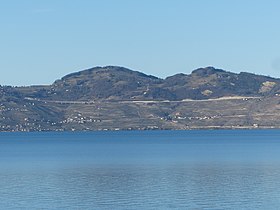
(116, 98)
(118, 83)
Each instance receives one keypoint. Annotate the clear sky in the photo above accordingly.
(42, 40)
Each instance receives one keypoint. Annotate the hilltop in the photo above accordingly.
(113, 98)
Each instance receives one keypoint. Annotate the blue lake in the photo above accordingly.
(223, 169)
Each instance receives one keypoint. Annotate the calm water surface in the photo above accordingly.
(140, 170)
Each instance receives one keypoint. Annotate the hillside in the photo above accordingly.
(116, 98)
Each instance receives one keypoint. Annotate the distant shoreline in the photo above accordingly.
(117, 98)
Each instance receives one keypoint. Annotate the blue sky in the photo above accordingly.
(42, 40)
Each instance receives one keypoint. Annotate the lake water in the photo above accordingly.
(141, 170)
